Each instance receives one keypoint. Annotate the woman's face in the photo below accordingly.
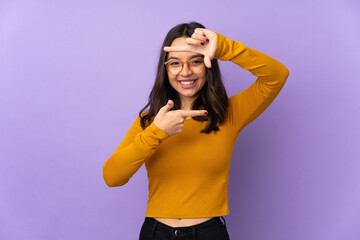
(187, 93)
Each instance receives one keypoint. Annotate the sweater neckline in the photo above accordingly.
(191, 119)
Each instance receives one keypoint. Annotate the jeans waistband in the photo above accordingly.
(153, 221)
(175, 231)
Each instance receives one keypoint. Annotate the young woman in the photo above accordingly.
(187, 136)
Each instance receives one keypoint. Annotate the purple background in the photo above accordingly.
(74, 75)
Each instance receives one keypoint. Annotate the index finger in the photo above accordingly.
(192, 113)
(199, 31)
(178, 49)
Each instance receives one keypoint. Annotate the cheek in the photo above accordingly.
(173, 82)
(203, 78)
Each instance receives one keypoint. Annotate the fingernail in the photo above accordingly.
(207, 40)
(202, 43)
(206, 113)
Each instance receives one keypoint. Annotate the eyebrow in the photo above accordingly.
(196, 55)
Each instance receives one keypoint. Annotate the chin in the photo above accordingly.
(192, 94)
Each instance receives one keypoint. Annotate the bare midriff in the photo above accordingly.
(182, 222)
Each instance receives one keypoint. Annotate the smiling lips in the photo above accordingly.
(186, 80)
(189, 83)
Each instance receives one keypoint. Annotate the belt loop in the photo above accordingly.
(173, 233)
(224, 220)
(193, 231)
(154, 228)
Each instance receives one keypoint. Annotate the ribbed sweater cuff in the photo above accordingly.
(157, 132)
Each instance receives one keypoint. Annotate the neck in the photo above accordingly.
(187, 102)
(186, 105)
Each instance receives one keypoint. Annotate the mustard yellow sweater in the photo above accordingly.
(189, 172)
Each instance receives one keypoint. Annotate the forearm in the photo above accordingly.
(269, 71)
(247, 105)
(126, 160)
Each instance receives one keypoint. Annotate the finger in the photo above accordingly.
(199, 31)
(207, 61)
(178, 49)
(195, 42)
(200, 37)
(168, 106)
(192, 113)
(206, 32)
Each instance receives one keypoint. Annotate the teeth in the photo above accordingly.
(189, 82)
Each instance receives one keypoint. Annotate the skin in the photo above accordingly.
(184, 48)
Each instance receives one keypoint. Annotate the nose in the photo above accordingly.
(186, 70)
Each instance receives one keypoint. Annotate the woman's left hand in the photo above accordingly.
(194, 45)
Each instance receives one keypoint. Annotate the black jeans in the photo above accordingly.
(212, 229)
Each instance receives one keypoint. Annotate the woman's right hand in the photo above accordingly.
(172, 122)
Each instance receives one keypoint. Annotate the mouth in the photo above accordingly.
(187, 83)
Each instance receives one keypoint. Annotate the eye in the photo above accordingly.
(196, 62)
(173, 63)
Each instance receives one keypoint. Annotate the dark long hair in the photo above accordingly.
(212, 95)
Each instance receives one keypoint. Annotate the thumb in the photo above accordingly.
(168, 106)
(207, 61)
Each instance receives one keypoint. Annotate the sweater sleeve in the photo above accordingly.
(137, 146)
(247, 105)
